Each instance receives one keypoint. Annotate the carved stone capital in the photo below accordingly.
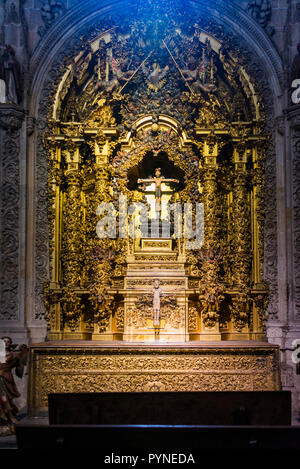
(31, 122)
(280, 124)
(11, 118)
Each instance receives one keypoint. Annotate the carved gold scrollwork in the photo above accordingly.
(240, 310)
(193, 314)
(261, 300)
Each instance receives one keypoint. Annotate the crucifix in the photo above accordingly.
(156, 303)
(158, 179)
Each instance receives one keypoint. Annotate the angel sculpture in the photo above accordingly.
(10, 357)
(199, 75)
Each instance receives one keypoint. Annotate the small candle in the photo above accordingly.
(107, 69)
(99, 71)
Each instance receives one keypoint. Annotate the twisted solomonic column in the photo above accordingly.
(212, 289)
(72, 236)
(241, 238)
(102, 251)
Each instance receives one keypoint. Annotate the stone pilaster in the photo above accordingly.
(12, 222)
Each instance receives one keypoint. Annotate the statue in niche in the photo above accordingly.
(295, 74)
(13, 16)
(158, 180)
(10, 357)
(10, 73)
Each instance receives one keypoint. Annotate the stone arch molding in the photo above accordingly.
(47, 66)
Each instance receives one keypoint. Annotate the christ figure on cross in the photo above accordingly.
(158, 180)
(156, 303)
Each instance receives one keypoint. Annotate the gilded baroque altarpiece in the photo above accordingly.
(160, 90)
(142, 94)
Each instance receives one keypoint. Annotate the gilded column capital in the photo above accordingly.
(51, 145)
(71, 153)
(212, 145)
(242, 151)
(101, 143)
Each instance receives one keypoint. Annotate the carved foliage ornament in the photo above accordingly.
(10, 126)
